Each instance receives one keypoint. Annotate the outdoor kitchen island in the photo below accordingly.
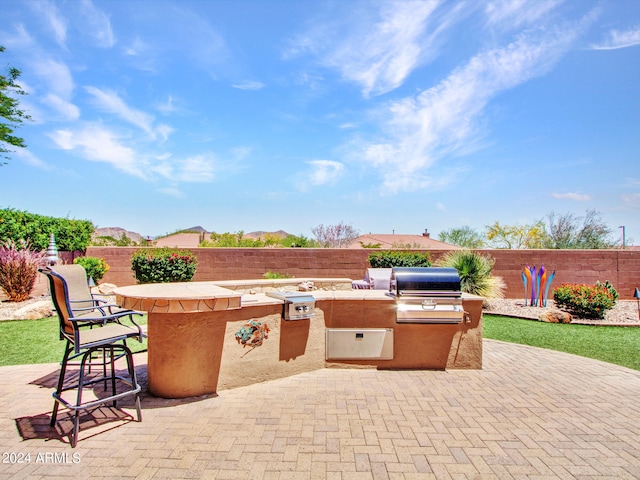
(205, 337)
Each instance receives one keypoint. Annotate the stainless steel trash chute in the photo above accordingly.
(427, 295)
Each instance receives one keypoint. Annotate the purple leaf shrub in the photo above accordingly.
(18, 269)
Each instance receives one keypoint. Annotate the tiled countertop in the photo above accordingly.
(177, 297)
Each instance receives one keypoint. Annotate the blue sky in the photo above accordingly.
(391, 116)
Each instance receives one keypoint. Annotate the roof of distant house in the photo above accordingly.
(389, 241)
(180, 240)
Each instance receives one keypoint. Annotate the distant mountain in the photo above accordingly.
(116, 233)
(261, 234)
(197, 229)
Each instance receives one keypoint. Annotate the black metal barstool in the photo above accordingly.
(107, 338)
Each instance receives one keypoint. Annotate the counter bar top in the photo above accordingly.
(181, 297)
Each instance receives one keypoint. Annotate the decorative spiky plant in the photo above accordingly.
(475, 273)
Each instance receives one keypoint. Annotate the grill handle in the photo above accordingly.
(428, 304)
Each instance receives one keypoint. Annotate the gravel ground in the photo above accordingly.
(625, 312)
(7, 308)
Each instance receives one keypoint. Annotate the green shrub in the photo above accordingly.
(71, 235)
(275, 275)
(95, 267)
(18, 269)
(389, 258)
(299, 241)
(585, 301)
(474, 270)
(163, 265)
(609, 287)
(232, 240)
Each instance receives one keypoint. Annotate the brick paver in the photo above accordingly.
(529, 413)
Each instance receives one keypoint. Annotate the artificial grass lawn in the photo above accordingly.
(38, 341)
(619, 345)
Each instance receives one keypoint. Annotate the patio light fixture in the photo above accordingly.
(636, 295)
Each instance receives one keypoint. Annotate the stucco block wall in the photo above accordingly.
(248, 263)
(621, 267)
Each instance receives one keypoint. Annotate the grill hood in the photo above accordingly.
(427, 295)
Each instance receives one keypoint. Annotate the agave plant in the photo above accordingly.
(475, 273)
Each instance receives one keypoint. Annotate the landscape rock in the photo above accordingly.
(306, 286)
(555, 316)
(34, 310)
(104, 288)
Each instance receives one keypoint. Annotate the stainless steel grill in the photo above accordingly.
(427, 295)
(297, 305)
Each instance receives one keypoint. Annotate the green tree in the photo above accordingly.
(571, 232)
(232, 240)
(516, 236)
(464, 236)
(297, 241)
(10, 114)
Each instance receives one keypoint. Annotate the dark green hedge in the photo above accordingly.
(389, 258)
(70, 234)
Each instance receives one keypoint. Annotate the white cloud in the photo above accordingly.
(57, 76)
(164, 131)
(199, 168)
(68, 110)
(375, 48)
(516, 13)
(249, 85)
(137, 48)
(631, 199)
(198, 40)
(142, 55)
(30, 159)
(620, 39)
(443, 120)
(379, 57)
(59, 84)
(167, 106)
(241, 153)
(172, 192)
(19, 38)
(579, 197)
(97, 144)
(112, 103)
(48, 11)
(96, 24)
(324, 171)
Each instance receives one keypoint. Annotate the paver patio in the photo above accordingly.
(529, 413)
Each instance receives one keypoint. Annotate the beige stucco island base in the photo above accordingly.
(193, 348)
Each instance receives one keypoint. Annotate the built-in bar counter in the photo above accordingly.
(193, 329)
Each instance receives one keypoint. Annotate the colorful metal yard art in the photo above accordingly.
(536, 282)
